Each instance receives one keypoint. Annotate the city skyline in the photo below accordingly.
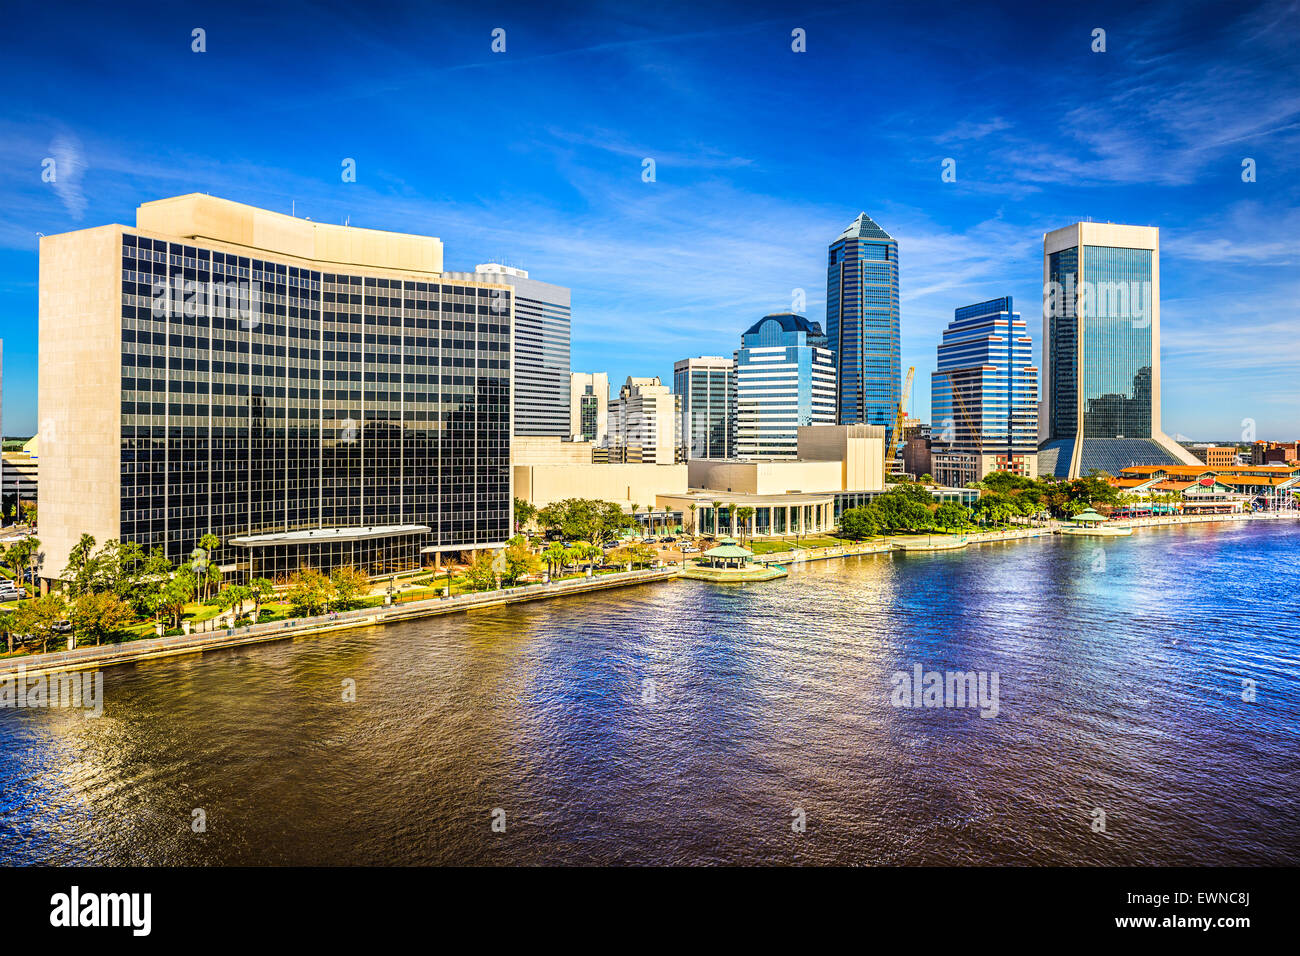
(1136, 135)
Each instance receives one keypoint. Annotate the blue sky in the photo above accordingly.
(762, 156)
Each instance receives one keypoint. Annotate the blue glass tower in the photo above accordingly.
(984, 396)
(862, 324)
(785, 377)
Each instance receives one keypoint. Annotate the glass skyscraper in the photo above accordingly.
(785, 377)
(1101, 351)
(304, 409)
(862, 324)
(984, 396)
(707, 386)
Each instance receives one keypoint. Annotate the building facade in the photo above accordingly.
(1274, 453)
(862, 324)
(541, 347)
(645, 424)
(785, 378)
(1216, 456)
(310, 394)
(984, 396)
(707, 386)
(1101, 352)
(589, 406)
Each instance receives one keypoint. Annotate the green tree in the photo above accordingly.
(910, 491)
(259, 589)
(633, 554)
(25, 555)
(479, 576)
(743, 515)
(170, 599)
(951, 515)
(520, 561)
(7, 628)
(584, 519)
(586, 552)
(100, 617)
(36, 619)
(860, 523)
(525, 512)
(347, 586)
(554, 556)
(79, 573)
(206, 573)
(310, 592)
(233, 597)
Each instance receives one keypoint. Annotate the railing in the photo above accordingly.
(108, 654)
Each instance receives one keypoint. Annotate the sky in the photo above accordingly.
(762, 155)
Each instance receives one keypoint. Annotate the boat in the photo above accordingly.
(1090, 523)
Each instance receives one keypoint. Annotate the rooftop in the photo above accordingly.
(327, 534)
(790, 322)
(864, 227)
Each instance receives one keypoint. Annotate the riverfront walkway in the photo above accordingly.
(106, 655)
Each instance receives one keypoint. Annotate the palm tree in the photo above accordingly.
(717, 517)
(694, 527)
(635, 508)
(743, 515)
(259, 589)
(554, 557)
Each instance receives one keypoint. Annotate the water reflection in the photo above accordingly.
(685, 723)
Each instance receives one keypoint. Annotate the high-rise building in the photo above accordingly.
(984, 396)
(645, 424)
(707, 386)
(1101, 352)
(589, 406)
(311, 394)
(785, 377)
(862, 324)
(541, 340)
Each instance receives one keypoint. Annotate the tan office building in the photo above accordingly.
(311, 394)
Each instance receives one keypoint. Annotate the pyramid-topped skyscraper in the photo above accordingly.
(862, 324)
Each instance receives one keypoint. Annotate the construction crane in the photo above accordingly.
(902, 406)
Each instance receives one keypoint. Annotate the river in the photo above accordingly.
(694, 723)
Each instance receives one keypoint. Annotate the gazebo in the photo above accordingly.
(727, 554)
(1088, 519)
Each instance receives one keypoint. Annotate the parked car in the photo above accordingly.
(668, 540)
(8, 592)
(62, 627)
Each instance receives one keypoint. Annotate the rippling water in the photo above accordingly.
(1120, 689)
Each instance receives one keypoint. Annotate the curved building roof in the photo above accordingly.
(790, 322)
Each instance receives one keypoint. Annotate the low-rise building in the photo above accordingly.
(1216, 456)
(1264, 487)
(1274, 453)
